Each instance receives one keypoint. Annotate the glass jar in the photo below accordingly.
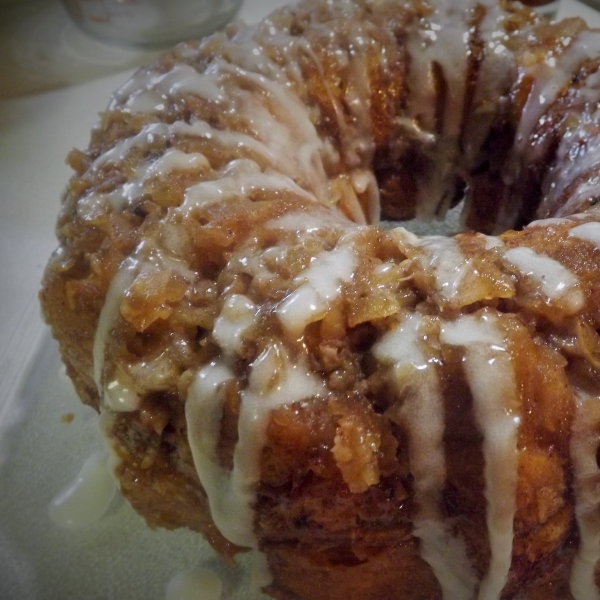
(150, 23)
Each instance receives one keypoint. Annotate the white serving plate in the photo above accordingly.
(118, 557)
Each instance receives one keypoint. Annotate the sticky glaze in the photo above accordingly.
(489, 371)
(87, 498)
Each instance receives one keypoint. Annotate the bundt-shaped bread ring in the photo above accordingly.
(380, 415)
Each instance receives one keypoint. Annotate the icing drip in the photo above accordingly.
(149, 91)
(364, 183)
(109, 313)
(119, 393)
(586, 191)
(440, 44)
(318, 286)
(548, 222)
(492, 242)
(551, 74)
(490, 375)
(448, 263)
(175, 160)
(584, 445)
(550, 77)
(278, 158)
(574, 172)
(439, 255)
(555, 283)
(306, 223)
(195, 584)
(142, 140)
(422, 411)
(590, 232)
(583, 156)
(241, 179)
(358, 141)
(87, 498)
(492, 82)
(274, 381)
(237, 316)
(284, 125)
(203, 412)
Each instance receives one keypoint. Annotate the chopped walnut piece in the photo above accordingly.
(355, 451)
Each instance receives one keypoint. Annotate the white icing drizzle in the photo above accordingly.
(548, 222)
(135, 187)
(578, 152)
(590, 213)
(280, 129)
(364, 183)
(441, 256)
(554, 281)
(109, 313)
(183, 79)
(448, 263)
(586, 190)
(441, 41)
(176, 160)
(273, 381)
(402, 347)
(94, 204)
(146, 136)
(590, 232)
(241, 178)
(583, 154)
(440, 49)
(493, 80)
(491, 241)
(489, 371)
(148, 91)
(318, 286)
(284, 125)
(195, 584)
(307, 223)
(246, 50)
(422, 411)
(352, 114)
(260, 574)
(358, 140)
(87, 498)
(549, 78)
(585, 438)
(119, 394)
(235, 139)
(237, 316)
(274, 145)
(203, 412)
